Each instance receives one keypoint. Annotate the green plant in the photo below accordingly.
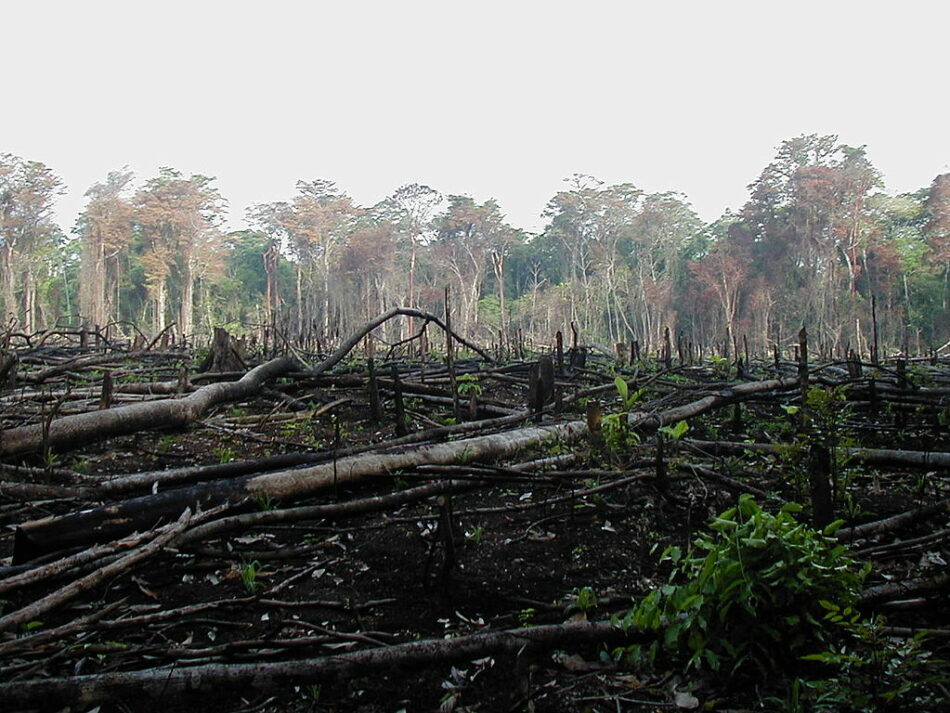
(748, 600)
(312, 692)
(265, 502)
(82, 465)
(468, 385)
(224, 454)
(870, 671)
(30, 626)
(627, 398)
(676, 431)
(721, 367)
(585, 598)
(617, 435)
(249, 576)
(614, 426)
(526, 616)
(476, 534)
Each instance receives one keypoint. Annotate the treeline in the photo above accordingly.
(817, 242)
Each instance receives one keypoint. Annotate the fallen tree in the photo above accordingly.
(78, 429)
(109, 522)
(69, 431)
(164, 683)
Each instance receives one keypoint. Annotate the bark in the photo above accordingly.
(726, 396)
(171, 682)
(905, 589)
(869, 456)
(64, 594)
(79, 429)
(106, 523)
(894, 522)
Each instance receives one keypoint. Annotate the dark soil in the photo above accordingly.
(524, 548)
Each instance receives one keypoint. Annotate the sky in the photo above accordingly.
(492, 99)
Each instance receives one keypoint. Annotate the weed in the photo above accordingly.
(750, 603)
(249, 576)
(224, 454)
(676, 431)
(476, 534)
(468, 385)
(265, 502)
(871, 671)
(585, 598)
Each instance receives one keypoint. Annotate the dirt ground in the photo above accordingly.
(575, 542)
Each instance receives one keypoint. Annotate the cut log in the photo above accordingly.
(225, 354)
(79, 429)
(110, 522)
(169, 683)
(34, 609)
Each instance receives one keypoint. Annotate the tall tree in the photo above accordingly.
(318, 222)
(411, 208)
(468, 234)
(105, 231)
(27, 234)
(272, 220)
(179, 218)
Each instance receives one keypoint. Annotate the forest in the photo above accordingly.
(408, 457)
(818, 242)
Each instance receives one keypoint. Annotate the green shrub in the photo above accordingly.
(749, 599)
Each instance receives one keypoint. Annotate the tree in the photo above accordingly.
(810, 225)
(27, 234)
(468, 235)
(411, 208)
(317, 224)
(272, 220)
(105, 231)
(179, 219)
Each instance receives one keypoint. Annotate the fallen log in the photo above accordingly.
(70, 431)
(174, 681)
(868, 456)
(54, 599)
(110, 522)
(889, 591)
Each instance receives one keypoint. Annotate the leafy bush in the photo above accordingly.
(749, 600)
(871, 672)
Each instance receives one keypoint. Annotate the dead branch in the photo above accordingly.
(70, 431)
(170, 682)
(104, 523)
(890, 591)
(163, 537)
(894, 522)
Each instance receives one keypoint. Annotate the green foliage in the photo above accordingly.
(871, 671)
(628, 398)
(828, 413)
(468, 385)
(676, 431)
(476, 534)
(748, 600)
(265, 502)
(526, 616)
(721, 367)
(249, 576)
(585, 598)
(224, 454)
(617, 435)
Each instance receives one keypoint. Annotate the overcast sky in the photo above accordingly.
(493, 99)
